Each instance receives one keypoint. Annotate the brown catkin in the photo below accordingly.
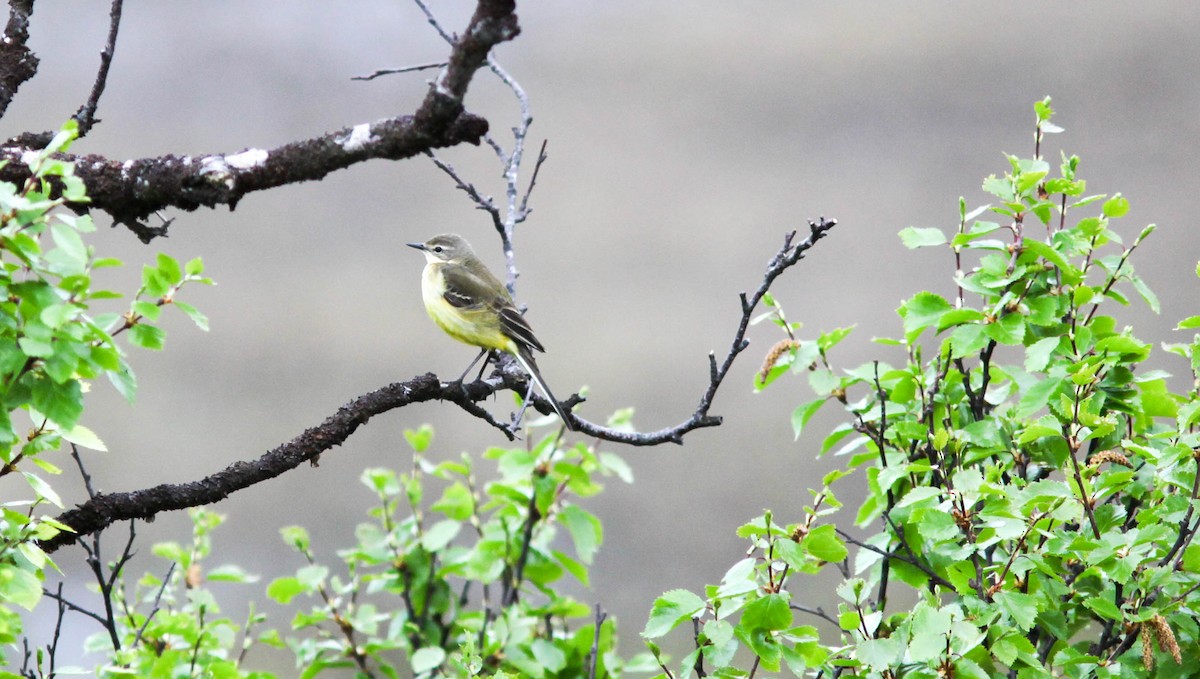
(773, 356)
(1147, 649)
(1113, 456)
(1165, 637)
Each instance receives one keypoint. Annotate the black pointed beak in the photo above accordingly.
(419, 246)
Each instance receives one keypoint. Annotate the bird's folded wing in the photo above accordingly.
(464, 289)
(513, 324)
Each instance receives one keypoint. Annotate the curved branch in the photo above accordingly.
(132, 190)
(104, 509)
(787, 256)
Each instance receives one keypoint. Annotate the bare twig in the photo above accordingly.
(57, 596)
(934, 577)
(600, 617)
(154, 609)
(788, 255)
(403, 69)
(86, 116)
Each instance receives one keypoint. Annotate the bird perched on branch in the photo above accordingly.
(463, 297)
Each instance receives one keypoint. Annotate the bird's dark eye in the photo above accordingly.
(437, 248)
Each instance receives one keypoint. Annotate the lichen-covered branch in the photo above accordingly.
(132, 190)
(17, 62)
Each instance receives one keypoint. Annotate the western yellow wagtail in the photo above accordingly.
(472, 306)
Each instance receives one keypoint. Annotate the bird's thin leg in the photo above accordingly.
(524, 404)
(482, 353)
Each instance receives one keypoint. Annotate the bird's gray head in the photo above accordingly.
(448, 247)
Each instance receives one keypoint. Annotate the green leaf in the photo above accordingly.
(880, 654)
(19, 586)
(42, 489)
(956, 317)
(419, 439)
(456, 502)
(428, 658)
(586, 531)
(1037, 355)
(193, 313)
(922, 311)
(1191, 558)
(440, 534)
(1104, 608)
(194, 267)
(914, 238)
(575, 568)
(802, 414)
(1008, 329)
(1038, 395)
(169, 269)
(1116, 206)
(1146, 293)
(62, 403)
(823, 543)
(1189, 323)
(769, 613)
(283, 590)
(669, 610)
(1022, 608)
(147, 336)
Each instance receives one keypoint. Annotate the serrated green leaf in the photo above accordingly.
(1104, 608)
(669, 610)
(147, 336)
(769, 613)
(193, 313)
(1021, 608)
(823, 543)
(921, 311)
(802, 414)
(1114, 207)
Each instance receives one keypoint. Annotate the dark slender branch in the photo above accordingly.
(87, 478)
(17, 62)
(57, 596)
(698, 666)
(818, 611)
(1186, 530)
(600, 617)
(107, 508)
(937, 579)
(132, 190)
(787, 256)
(524, 210)
(58, 623)
(157, 599)
(86, 116)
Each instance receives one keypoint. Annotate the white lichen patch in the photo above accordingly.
(215, 170)
(247, 159)
(360, 136)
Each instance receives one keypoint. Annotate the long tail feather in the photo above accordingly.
(525, 358)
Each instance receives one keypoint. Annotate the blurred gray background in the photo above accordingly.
(685, 139)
